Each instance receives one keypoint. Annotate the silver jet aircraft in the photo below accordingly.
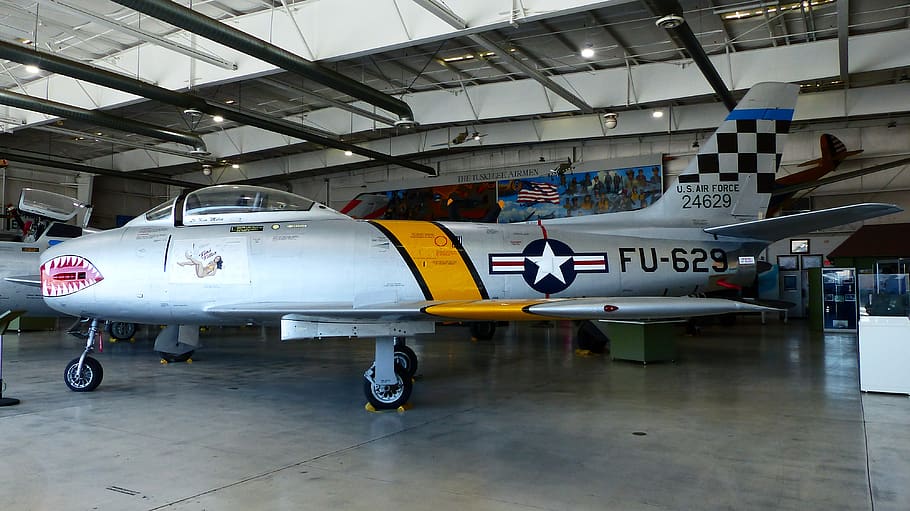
(20, 252)
(238, 254)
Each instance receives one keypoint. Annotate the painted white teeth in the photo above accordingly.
(68, 267)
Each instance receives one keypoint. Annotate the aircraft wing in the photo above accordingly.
(25, 280)
(620, 308)
(777, 228)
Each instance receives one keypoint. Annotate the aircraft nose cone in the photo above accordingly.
(64, 275)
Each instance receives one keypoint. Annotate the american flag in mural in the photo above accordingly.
(538, 192)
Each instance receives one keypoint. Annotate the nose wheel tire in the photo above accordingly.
(406, 359)
(389, 397)
(88, 379)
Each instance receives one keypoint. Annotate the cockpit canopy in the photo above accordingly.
(233, 204)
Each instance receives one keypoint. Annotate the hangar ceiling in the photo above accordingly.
(510, 70)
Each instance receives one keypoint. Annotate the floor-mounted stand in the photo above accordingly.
(5, 319)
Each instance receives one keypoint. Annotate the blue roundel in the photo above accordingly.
(549, 267)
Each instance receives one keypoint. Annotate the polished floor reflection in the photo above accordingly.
(749, 417)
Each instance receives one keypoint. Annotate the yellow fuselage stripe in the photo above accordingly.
(435, 258)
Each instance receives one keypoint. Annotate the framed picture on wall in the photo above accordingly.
(800, 246)
(788, 262)
(811, 261)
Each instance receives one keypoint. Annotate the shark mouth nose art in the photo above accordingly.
(65, 275)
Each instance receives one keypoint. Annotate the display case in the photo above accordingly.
(839, 305)
(884, 333)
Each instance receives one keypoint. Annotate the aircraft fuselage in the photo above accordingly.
(19, 259)
(173, 275)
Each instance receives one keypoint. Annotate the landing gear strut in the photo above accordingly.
(387, 383)
(84, 373)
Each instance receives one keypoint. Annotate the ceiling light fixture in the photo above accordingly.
(235, 166)
(218, 118)
(657, 114)
(670, 21)
(32, 69)
(349, 153)
(588, 51)
(610, 120)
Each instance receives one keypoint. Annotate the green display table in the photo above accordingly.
(642, 341)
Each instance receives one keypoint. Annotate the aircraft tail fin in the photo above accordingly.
(732, 176)
(778, 228)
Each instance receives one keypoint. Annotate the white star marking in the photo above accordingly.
(549, 263)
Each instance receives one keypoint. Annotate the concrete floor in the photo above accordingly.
(753, 417)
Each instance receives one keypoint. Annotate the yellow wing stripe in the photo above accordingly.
(436, 258)
(486, 310)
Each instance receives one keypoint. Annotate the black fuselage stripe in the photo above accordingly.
(407, 259)
(467, 260)
(167, 249)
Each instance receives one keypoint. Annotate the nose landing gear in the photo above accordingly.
(84, 373)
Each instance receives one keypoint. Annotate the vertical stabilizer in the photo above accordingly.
(732, 176)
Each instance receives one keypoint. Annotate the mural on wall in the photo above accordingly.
(472, 202)
(580, 193)
(525, 197)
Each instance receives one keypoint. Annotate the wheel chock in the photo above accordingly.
(113, 340)
(163, 362)
(584, 353)
(189, 361)
(401, 409)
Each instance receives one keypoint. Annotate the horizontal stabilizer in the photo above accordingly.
(777, 228)
(620, 308)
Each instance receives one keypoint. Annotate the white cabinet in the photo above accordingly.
(884, 354)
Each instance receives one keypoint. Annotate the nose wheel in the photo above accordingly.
(84, 373)
(85, 378)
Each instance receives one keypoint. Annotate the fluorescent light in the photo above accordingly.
(218, 118)
(32, 69)
(348, 153)
(657, 114)
(235, 166)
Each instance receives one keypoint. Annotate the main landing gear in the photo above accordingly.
(84, 373)
(389, 381)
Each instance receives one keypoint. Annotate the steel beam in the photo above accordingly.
(32, 159)
(141, 35)
(503, 54)
(117, 81)
(127, 143)
(214, 30)
(348, 107)
(843, 35)
(682, 34)
(101, 119)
